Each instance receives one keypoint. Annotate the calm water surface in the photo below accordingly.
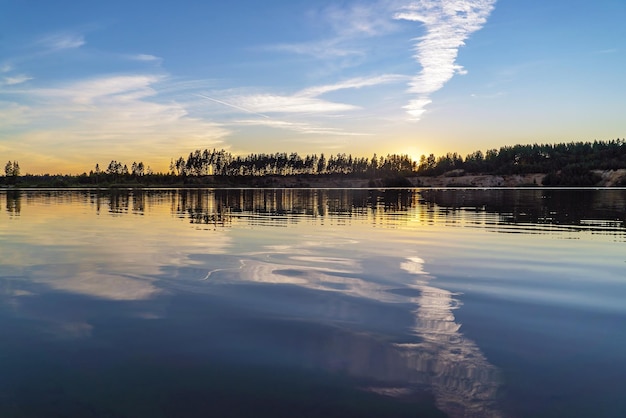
(284, 303)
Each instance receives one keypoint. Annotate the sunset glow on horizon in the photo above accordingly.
(83, 84)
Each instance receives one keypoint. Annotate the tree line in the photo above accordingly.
(563, 164)
(223, 163)
(559, 161)
(536, 158)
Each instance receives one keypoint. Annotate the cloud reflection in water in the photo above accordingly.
(442, 360)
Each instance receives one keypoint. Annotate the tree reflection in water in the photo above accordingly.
(434, 357)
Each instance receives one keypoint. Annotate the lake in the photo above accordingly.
(313, 303)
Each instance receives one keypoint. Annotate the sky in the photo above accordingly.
(135, 80)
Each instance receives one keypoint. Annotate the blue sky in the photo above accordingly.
(87, 82)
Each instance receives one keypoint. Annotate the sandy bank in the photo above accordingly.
(610, 178)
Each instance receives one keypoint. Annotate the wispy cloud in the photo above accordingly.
(269, 103)
(354, 83)
(495, 95)
(607, 51)
(273, 109)
(60, 41)
(231, 105)
(146, 57)
(359, 19)
(448, 23)
(18, 79)
(111, 89)
(12, 115)
(300, 127)
(105, 117)
(347, 24)
(321, 49)
(308, 100)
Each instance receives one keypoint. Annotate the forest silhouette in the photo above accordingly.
(563, 164)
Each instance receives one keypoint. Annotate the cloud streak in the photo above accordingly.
(61, 41)
(231, 105)
(104, 89)
(103, 118)
(360, 19)
(18, 79)
(324, 49)
(348, 24)
(300, 127)
(448, 24)
(146, 57)
(354, 83)
(270, 103)
(306, 102)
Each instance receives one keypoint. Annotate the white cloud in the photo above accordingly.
(18, 79)
(360, 19)
(269, 103)
(60, 41)
(107, 117)
(448, 24)
(307, 100)
(101, 89)
(13, 114)
(300, 127)
(323, 49)
(347, 24)
(231, 105)
(354, 83)
(607, 51)
(488, 96)
(304, 102)
(146, 57)
(417, 107)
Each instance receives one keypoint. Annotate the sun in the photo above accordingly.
(413, 152)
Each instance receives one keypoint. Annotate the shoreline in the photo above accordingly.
(455, 179)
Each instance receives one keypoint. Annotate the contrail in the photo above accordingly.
(232, 105)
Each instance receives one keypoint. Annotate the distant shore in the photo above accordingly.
(609, 178)
(456, 178)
